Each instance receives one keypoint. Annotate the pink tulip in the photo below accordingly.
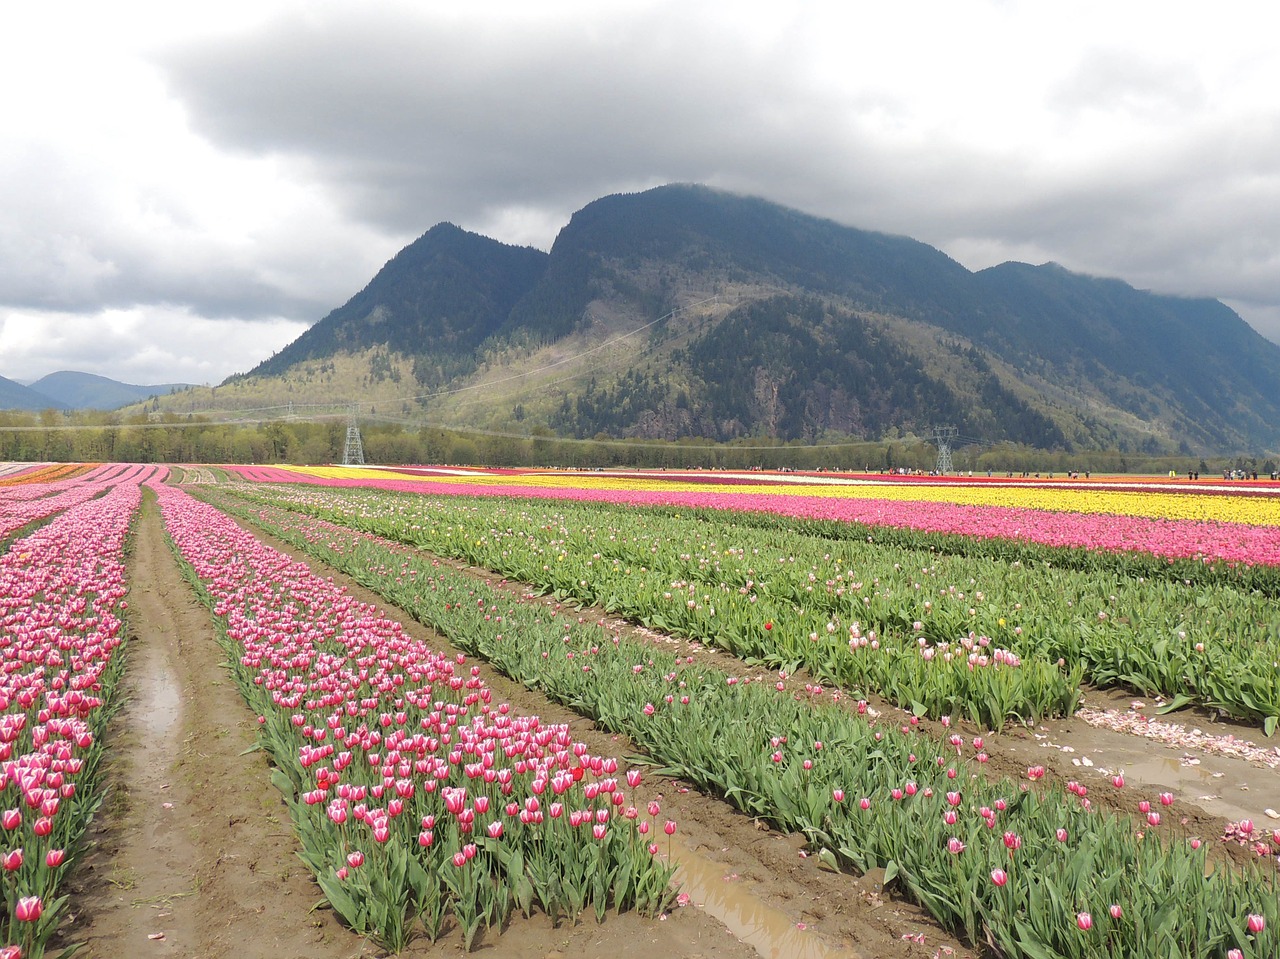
(999, 876)
(28, 909)
(1116, 911)
(12, 860)
(54, 857)
(1255, 923)
(1084, 921)
(669, 827)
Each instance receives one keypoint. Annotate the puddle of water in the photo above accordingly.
(158, 703)
(1168, 770)
(1216, 786)
(767, 930)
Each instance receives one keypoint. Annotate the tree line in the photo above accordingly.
(169, 438)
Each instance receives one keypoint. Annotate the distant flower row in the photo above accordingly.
(1245, 531)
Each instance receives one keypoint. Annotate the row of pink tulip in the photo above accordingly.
(1174, 539)
(28, 503)
(62, 592)
(408, 784)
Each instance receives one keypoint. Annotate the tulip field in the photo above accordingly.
(425, 807)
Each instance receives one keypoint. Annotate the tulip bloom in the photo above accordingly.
(999, 877)
(1084, 921)
(28, 909)
(1256, 923)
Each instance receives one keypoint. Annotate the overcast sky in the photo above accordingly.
(185, 187)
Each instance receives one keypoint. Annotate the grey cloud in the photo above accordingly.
(413, 121)
(410, 120)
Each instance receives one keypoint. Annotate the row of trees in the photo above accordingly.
(97, 437)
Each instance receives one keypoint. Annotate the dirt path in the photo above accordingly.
(192, 853)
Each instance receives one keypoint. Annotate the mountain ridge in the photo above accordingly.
(870, 334)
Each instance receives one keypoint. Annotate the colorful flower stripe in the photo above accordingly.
(61, 602)
(412, 792)
(1174, 539)
(1152, 502)
(47, 473)
(922, 628)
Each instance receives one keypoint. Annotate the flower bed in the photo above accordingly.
(416, 797)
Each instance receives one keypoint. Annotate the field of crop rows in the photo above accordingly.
(875, 638)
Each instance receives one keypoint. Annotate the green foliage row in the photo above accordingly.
(806, 766)
(715, 580)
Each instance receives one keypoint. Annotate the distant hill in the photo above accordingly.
(15, 396)
(87, 391)
(685, 312)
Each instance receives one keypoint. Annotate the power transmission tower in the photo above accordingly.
(943, 437)
(353, 449)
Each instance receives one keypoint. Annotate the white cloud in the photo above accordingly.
(142, 346)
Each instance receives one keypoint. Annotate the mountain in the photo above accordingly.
(449, 288)
(87, 391)
(684, 312)
(15, 396)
